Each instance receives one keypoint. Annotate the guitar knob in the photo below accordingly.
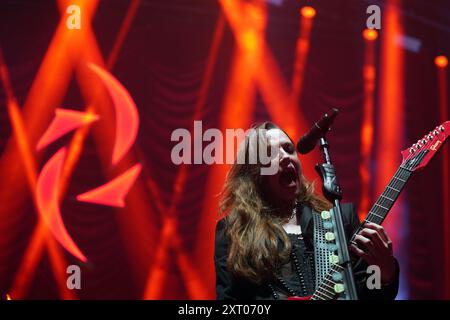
(328, 225)
(334, 259)
(338, 288)
(337, 277)
(329, 236)
(332, 247)
(325, 215)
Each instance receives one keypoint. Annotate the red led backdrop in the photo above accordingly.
(228, 63)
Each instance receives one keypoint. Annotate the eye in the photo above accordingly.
(289, 147)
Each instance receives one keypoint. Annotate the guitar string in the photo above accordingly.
(401, 177)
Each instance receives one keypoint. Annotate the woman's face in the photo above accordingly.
(284, 185)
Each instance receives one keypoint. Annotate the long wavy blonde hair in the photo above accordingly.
(255, 252)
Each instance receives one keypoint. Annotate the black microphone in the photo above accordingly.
(309, 140)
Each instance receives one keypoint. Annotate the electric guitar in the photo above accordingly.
(415, 158)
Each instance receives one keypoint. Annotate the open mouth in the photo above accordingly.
(288, 177)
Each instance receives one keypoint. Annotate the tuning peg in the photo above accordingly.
(411, 150)
(436, 132)
(441, 128)
(430, 137)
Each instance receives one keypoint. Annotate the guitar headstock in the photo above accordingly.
(419, 154)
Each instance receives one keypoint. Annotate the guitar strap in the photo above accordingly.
(322, 254)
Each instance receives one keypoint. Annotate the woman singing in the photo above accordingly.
(264, 245)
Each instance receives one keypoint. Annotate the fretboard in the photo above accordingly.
(386, 200)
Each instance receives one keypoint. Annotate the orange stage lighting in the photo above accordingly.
(57, 260)
(127, 118)
(63, 75)
(367, 127)
(441, 61)
(113, 193)
(169, 240)
(302, 50)
(47, 199)
(441, 66)
(370, 34)
(65, 120)
(308, 12)
(389, 141)
(247, 20)
(134, 224)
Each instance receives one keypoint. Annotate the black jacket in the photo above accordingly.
(228, 287)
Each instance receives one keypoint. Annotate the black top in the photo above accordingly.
(297, 276)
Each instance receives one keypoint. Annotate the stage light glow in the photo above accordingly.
(367, 126)
(65, 120)
(441, 61)
(33, 251)
(441, 66)
(47, 200)
(113, 193)
(193, 281)
(370, 34)
(391, 122)
(249, 40)
(127, 119)
(88, 51)
(302, 50)
(308, 12)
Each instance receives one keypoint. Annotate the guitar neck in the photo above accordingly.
(386, 200)
(377, 214)
(414, 158)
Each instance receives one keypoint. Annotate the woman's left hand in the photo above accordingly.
(375, 247)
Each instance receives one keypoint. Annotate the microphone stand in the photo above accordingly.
(333, 193)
